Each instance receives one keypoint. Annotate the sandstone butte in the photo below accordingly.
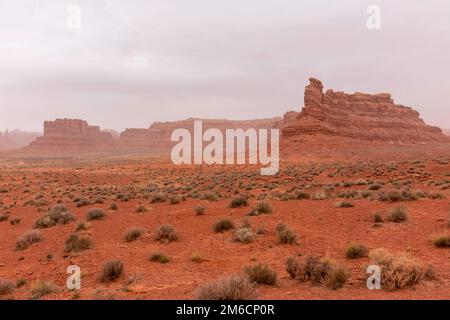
(359, 116)
(373, 118)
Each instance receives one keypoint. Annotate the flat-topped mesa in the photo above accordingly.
(72, 133)
(359, 116)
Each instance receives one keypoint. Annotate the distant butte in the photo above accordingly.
(359, 116)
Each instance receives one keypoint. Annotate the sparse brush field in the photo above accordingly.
(146, 229)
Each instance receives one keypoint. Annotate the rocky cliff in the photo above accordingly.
(359, 116)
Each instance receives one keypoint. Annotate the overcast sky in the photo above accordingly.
(138, 61)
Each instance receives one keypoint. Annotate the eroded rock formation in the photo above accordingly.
(72, 133)
(159, 133)
(359, 116)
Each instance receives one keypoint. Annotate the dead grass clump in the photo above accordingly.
(27, 239)
(42, 288)
(398, 272)
(398, 214)
(199, 210)
(244, 235)
(318, 270)
(285, 235)
(234, 287)
(344, 204)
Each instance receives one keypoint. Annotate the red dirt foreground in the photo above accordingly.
(311, 208)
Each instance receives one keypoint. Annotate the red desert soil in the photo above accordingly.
(322, 228)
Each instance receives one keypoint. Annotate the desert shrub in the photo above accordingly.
(377, 217)
(42, 288)
(159, 257)
(442, 241)
(113, 206)
(133, 234)
(21, 282)
(111, 271)
(264, 207)
(285, 235)
(301, 195)
(3, 217)
(95, 214)
(174, 199)
(158, 197)
(234, 287)
(166, 233)
(375, 187)
(244, 235)
(394, 196)
(75, 243)
(261, 274)
(6, 287)
(223, 225)
(356, 251)
(83, 202)
(320, 195)
(82, 225)
(436, 195)
(141, 209)
(318, 270)
(398, 214)
(210, 196)
(238, 202)
(398, 272)
(58, 215)
(196, 257)
(27, 239)
(14, 221)
(199, 210)
(344, 204)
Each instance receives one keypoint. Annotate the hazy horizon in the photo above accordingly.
(134, 63)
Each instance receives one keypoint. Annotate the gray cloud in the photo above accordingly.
(135, 62)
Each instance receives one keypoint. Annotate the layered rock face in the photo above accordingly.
(72, 133)
(159, 133)
(359, 116)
